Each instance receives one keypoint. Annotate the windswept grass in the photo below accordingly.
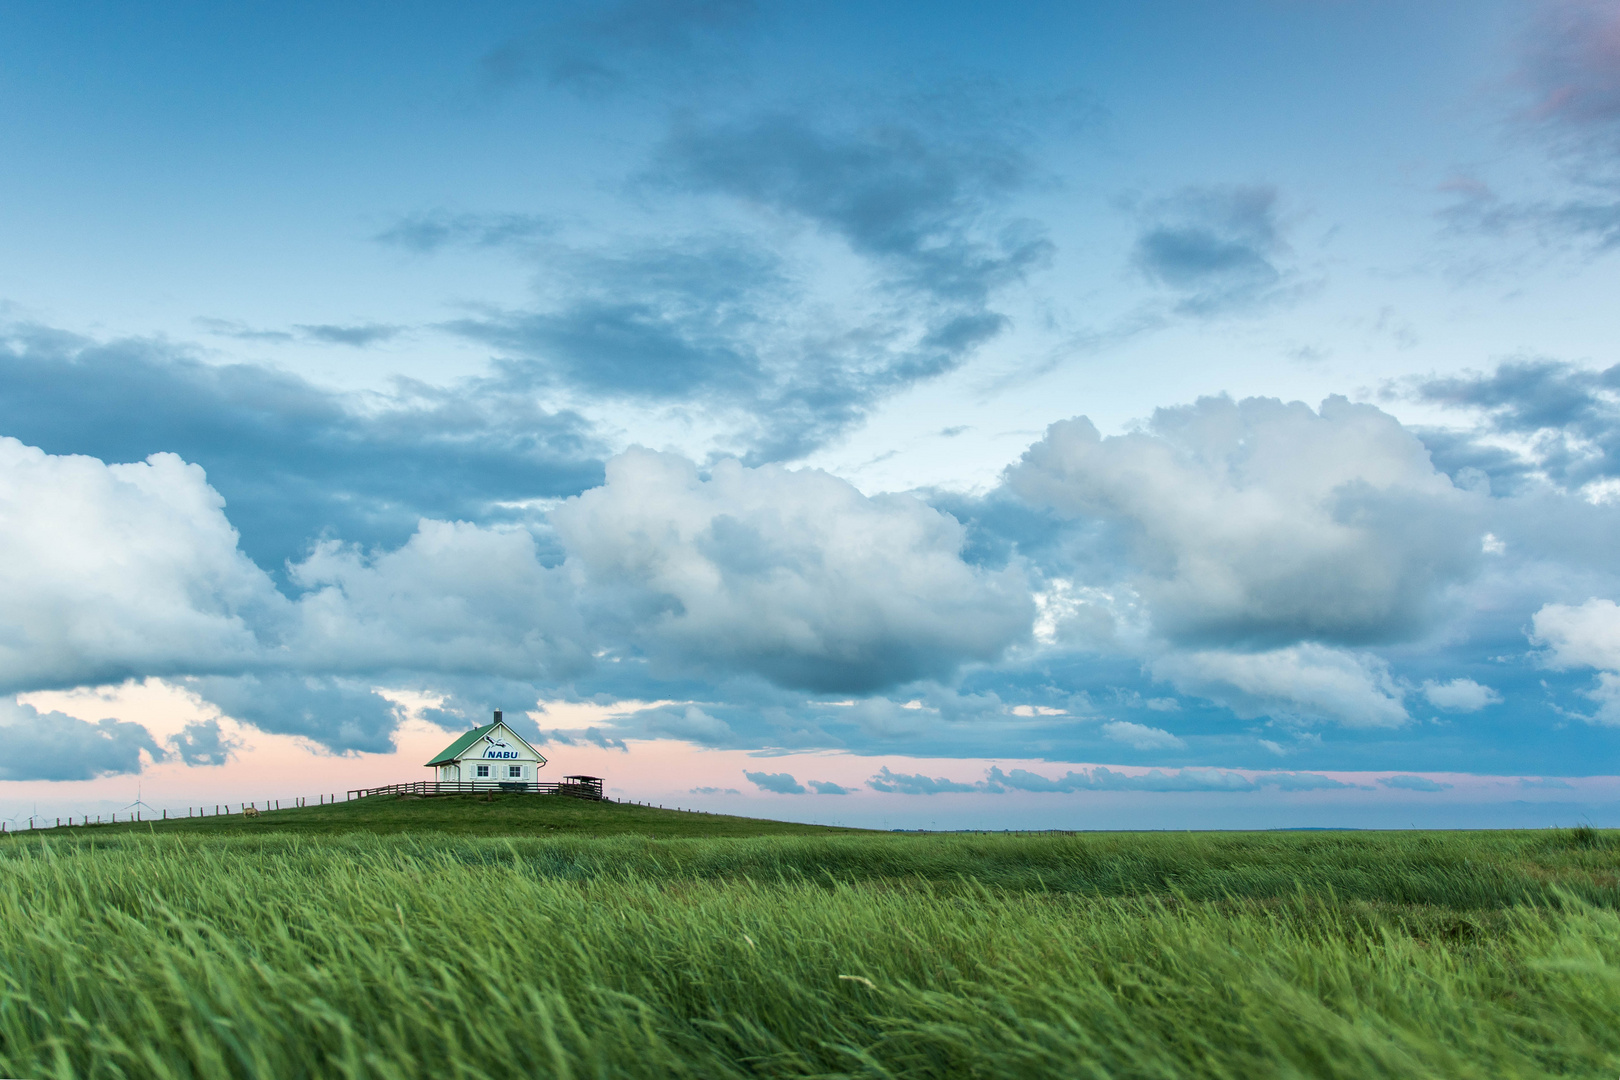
(1271, 955)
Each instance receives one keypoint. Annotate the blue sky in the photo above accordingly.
(1170, 386)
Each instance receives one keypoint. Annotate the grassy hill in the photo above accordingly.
(494, 814)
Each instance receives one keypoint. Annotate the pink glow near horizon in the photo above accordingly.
(665, 772)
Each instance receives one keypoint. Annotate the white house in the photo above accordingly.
(492, 755)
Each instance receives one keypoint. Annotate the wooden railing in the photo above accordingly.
(480, 787)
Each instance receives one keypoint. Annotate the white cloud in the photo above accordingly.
(116, 571)
(1460, 695)
(1303, 682)
(1587, 635)
(790, 574)
(1262, 523)
(1607, 695)
(1141, 737)
(454, 598)
(1584, 636)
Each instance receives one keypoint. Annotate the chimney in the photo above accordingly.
(497, 716)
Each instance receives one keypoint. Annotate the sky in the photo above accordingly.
(1152, 415)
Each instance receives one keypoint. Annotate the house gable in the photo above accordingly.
(491, 743)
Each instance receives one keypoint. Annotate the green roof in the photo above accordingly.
(453, 751)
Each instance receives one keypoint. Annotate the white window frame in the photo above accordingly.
(482, 771)
(514, 772)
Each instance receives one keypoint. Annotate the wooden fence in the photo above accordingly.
(579, 789)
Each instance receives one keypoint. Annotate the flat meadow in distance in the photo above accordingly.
(542, 936)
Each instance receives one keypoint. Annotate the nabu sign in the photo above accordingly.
(472, 758)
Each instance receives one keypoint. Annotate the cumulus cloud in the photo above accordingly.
(296, 462)
(827, 787)
(1579, 635)
(792, 575)
(1305, 683)
(52, 746)
(455, 598)
(1259, 523)
(110, 572)
(1460, 695)
(1141, 737)
(1584, 636)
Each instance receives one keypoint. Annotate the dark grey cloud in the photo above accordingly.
(425, 233)
(202, 742)
(295, 461)
(659, 324)
(1218, 248)
(341, 715)
(1569, 414)
(892, 193)
(780, 783)
(599, 48)
(53, 746)
(358, 335)
(732, 327)
(710, 325)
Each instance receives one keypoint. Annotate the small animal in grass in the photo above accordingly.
(251, 811)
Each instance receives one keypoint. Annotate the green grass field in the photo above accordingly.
(623, 945)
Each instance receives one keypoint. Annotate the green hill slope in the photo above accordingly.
(496, 814)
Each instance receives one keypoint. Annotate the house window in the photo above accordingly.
(515, 772)
(483, 770)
